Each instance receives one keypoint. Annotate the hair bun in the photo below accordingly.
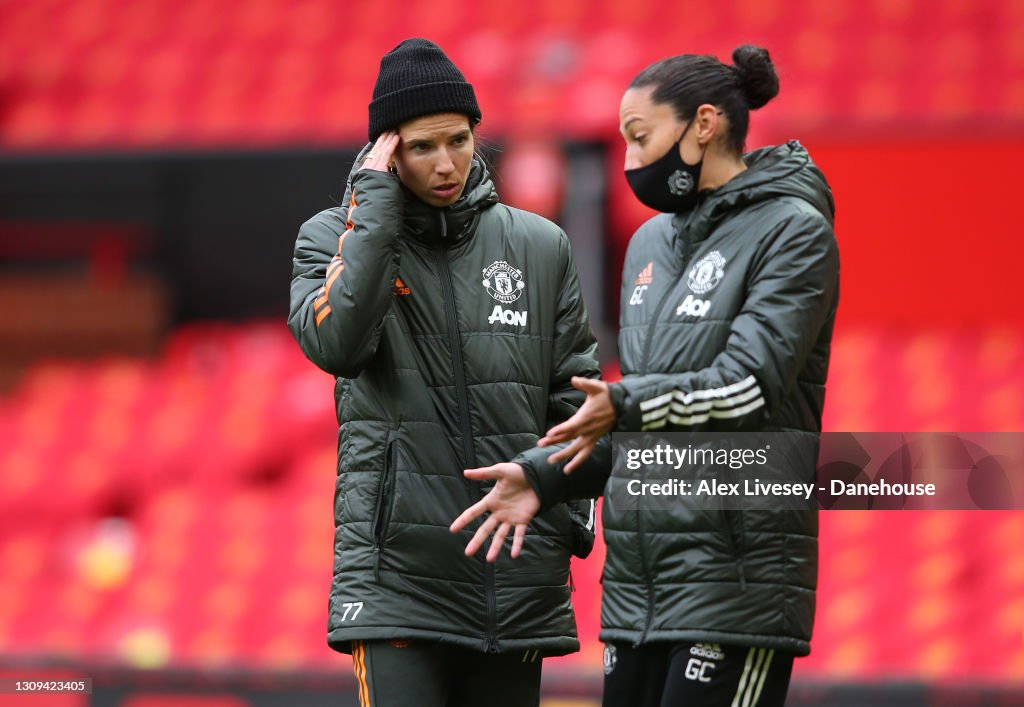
(755, 75)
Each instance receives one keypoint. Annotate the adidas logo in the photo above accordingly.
(643, 281)
(401, 289)
(646, 276)
(711, 651)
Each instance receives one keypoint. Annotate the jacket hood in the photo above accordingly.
(423, 221)
(781, 170)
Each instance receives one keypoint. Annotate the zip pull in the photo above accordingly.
(444, 225)
(572, 582)
(376, 564)
(741, 551)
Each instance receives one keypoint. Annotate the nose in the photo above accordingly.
(444, 164)
(632, 161)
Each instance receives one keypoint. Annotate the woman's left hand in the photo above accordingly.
(511, 503)
(594, 419)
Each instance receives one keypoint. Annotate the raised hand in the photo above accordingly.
(380, 155)
(511, 503)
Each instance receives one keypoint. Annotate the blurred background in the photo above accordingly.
(167, 455)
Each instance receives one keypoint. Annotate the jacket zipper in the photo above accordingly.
(455, 342)
(643, 371)
(644, 362)
(736, 545)
(642, 545)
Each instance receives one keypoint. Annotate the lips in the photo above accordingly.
(447, 190)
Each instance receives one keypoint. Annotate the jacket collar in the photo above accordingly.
(448, 225)
(781, 170)
(451, 224)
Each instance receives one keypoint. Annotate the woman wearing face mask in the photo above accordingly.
(728, 303)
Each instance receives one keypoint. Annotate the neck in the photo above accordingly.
(719, 169)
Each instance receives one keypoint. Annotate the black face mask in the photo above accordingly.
(668, 184)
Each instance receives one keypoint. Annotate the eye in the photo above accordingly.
(640, 139)
(420, 147)
(460, 140)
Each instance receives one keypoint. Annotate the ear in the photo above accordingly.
(707, 122)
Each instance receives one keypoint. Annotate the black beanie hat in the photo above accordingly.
(417, 79)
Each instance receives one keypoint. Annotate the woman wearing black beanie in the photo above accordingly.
(453, 325)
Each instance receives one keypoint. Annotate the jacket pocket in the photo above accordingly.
(582, 514)
(385, 503)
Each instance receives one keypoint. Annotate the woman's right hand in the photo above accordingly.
(379, 158)
(383, 151)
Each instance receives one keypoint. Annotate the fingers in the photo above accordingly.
(388, 153)
(480, 536)
(468, 516)
(382, 151)
(591, 416)
(371, 158)
(517, 540)
(484, 472)
(497, 541)
(562, 432)
(588, 385)
(582, 424)
(580, 457)
(571, 450)
(570, 430)
(577, 452)
(565, 453)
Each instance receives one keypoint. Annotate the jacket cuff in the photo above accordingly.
(547, 481)
(626, 418)
(373, 180)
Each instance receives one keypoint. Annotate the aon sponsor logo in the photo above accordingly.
(507, 316)
(693, 307)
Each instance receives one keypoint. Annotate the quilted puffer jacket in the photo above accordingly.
(726, 325)
(453, 334)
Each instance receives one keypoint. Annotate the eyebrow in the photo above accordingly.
(630, 122)
(429, 140)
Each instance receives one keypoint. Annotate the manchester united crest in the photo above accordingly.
(706, 273)
(610, 659)
(680, 183)
(503, 282)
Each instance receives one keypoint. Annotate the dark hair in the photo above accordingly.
(690, 80)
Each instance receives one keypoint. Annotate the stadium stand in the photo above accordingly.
(170, 511)
(168, 505)
(118, 74)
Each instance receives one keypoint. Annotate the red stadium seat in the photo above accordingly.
(198, 507)
(117, 73)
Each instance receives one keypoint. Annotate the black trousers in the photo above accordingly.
(428, 674)
(697, 674)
